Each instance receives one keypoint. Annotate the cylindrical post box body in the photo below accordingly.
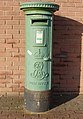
(38, 55)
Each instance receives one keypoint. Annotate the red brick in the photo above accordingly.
(48, 0)
(2, 59)
(16, 8)
(18, 17)
(2, 68)
(79, 14)
(13, 59)
(12, 22)
(22, 77)
(12, 85)
(12, 3)
(6, 64)
(81, 90)
(11, 94)
(18, 45)
(61, 1)
(5, 54)
(11, 12)
(18, 63)
(22, 22)
(74, 9)
(6, 17)
(18, 72)
(12, 68)
(20, 89)
(11, 50)
(6, 45)
(15, 36)
(17, 54)
(4, 72)
(9, 36)
(22, 50)
(1, 22)
(18, 81)
(67, 38)
(2, 3)
(5, 81)
(6, 27)
(5, 8)
(2, 41)
(75, 1)
(18, 26)
(68, 4)
(13, 32)
(2, 77)
(5, 89)
(79, 5)
(2, 50)
(1, 13)
(14, 77)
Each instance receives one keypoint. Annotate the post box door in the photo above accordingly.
(39, 56)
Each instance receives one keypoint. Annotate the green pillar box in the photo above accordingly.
(38, 16)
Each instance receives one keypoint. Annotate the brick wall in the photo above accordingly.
(67, 47)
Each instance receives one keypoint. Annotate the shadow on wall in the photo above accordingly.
(67, 36)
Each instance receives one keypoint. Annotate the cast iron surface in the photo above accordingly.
(37, 101)
(38, 54)
(42, 5)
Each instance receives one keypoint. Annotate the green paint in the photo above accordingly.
(38, 16)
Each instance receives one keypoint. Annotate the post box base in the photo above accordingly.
(37, 101)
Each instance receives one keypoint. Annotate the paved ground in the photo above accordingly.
(64, 107)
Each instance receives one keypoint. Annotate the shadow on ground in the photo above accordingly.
(67, 37)
(11, 107)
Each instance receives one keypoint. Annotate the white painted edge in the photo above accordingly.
(29, 52)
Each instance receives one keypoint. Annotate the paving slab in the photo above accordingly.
(63, 107)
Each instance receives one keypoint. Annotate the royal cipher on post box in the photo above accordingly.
(38, 54)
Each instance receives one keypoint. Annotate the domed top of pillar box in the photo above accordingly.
(39, 7)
